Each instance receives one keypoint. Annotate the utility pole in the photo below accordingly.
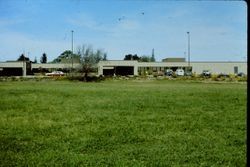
(24, 65)
(188, 33)
(72, 48)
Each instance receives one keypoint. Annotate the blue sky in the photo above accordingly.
(218, 29)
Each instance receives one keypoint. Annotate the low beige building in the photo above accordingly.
(13, 68)
(23, 68)
(127, 67)
(120, 67)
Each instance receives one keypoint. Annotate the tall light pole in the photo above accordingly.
(188, 33)
(72, 47)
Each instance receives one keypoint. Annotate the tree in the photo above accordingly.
(35, 60)
(66, 57)
(105, 57)
(23, 58)
(43, 58)
(153, 56)
(89, 59)
(98, 56)
(131, 57)
(145, 59)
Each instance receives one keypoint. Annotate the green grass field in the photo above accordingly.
(122, 123)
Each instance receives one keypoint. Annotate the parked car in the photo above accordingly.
(179, 72)
(206, 73)
(169, 72)
(55, 73)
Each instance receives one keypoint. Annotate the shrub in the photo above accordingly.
(214, 77)
(174, 75)
(75, 78)
(87, 79)
(241, 79)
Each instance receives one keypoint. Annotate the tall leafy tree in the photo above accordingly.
(23, 58)
(35, 60)
(145, 59)
(105, 57)
(153, 56)
(66, 57)
(131, 57)
(89, 59)
(43, 58)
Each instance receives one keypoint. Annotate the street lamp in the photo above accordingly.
(188, 33)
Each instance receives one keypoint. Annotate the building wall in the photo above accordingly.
(162, 64)
(180, 59)
(11, 64)
(13, 68)
(219, 67)
(197, 67)
(117, 63)
(55, 65)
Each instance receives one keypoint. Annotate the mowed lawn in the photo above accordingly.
(122, 123)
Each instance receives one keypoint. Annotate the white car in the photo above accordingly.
(169, 72)
(206, 73)
(179, 72)
(55, 73)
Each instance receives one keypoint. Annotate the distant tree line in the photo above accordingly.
(43, 58)
(85, 55)
(66, 57)
(23, 58)
(140, 59)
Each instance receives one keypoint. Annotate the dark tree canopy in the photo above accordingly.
(131, 57)
(145, 59)
(66, 57)
(152, 59)
(43, 58)
(23, 58)
(140, 59)
(35, 60)
(105, 57)
(153, 56)
(66, 54)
